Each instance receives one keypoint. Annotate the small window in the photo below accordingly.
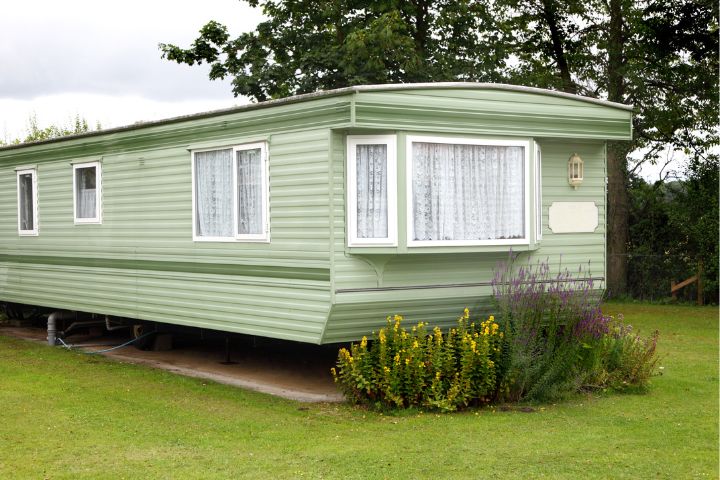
(372, 190)
(465, 191)
(230, 194)
(27, 202)
(87, 199)
(538, 192)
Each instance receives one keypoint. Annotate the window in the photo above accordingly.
(372, 190)
(230, 194)
(27, 202)
(538, 192)
(465, 191)
(87, 197)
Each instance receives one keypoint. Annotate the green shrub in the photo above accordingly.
(402, 368)
(625, 361)
(554, 325)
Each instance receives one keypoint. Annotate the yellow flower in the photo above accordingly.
(415, 344)
(492, 318)
(363, 342)
(381, 336)
(334, 373)
(466, 313)
(397, 358)
(407, 361)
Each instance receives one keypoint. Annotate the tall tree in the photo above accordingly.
(310, 45)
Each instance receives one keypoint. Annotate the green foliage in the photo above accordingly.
(306, 46)
(552, 323)
(625, 361)
(673, 228)
(402, 368)
(36, 133)
(557, 339)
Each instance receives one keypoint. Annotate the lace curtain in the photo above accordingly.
(467, 192)
(214, 193)
(26, 202)
(372, 207)
(85, 197)
(249, 178)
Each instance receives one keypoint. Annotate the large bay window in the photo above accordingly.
(465, 191)
(372, 190)
(230, 194)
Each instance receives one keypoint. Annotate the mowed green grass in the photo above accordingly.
(68, 415)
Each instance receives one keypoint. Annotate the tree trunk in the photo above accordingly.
(617, 220)
(550, 15)
(618, 212)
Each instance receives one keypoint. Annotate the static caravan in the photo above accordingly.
(309, 218)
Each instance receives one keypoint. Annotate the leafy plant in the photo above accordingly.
(627, 361)
(402, 368)
(552, 323)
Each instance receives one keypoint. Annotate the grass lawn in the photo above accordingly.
(68, 415)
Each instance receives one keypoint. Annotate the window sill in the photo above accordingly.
(403, 250)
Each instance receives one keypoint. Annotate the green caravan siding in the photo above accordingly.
(574, 250)
(305, 284)
(492, 112)
(142, 262)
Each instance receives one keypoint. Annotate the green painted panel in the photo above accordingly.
(491, 112)
(319, 274)
(220, 302)
(349, 322)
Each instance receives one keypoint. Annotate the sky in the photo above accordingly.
(101, 61)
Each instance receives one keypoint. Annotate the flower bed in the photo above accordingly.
(551, 339)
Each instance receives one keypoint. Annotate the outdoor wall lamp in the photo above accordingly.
(575, 171)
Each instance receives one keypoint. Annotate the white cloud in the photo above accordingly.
(101, 60)
(108, 110)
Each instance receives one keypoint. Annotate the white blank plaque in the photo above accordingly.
(573, 217)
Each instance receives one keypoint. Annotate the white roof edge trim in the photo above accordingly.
(328, 93)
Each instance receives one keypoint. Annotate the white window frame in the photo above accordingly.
(237, 237)
(465, 141)
(351, 211)
(33, 174)
(538, 192)
(97, 219)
